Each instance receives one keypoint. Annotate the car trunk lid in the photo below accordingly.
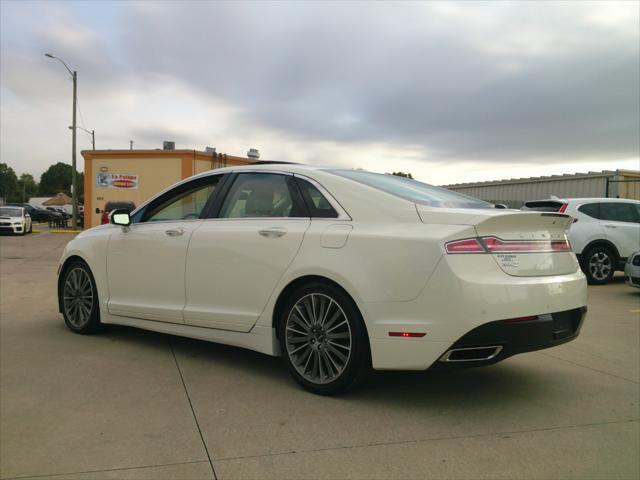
(523, 244)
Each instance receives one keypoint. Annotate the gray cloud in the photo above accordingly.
(492, 82)
(403, 73)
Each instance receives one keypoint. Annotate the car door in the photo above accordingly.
(145, 262)
(236, 259)
(621, 226)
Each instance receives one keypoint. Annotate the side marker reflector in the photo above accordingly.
(407, 334)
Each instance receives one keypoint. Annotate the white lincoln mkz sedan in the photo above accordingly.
(336, 270)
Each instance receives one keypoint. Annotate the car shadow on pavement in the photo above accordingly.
(468, 388)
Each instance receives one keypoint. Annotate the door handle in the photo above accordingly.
(175, 233)
(610, 226)
(273, 232)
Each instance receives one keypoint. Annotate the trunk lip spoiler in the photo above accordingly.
(562, 215)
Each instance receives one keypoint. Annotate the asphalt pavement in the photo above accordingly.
(131, 404)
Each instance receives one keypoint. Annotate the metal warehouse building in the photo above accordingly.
(516, 191)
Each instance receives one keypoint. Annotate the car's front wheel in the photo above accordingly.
(80, 299)
(599, 265)
(323, 339)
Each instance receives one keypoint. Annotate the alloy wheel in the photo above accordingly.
(318, 338)
(600, 265)
(78, 297)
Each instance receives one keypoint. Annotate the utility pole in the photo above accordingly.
(130, 144)
(74, 180)
(93, 139)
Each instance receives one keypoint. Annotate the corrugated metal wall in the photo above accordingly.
(515, 192)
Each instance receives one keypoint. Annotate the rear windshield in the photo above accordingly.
(543, 206)
(413, 190)
(10, 212)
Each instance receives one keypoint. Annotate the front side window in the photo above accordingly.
(413, 190)
(618, 212)
(266, 195)
(186, 202)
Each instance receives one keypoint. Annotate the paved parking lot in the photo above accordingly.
(135, 404)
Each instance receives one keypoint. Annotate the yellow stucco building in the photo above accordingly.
(136, 175)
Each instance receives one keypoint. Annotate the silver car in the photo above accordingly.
(632, 269)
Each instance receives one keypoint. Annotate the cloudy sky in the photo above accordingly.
(452, 92)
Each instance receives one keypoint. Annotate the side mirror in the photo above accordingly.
(98, 210)
(499, 205)
(27, 215)
(120, 217)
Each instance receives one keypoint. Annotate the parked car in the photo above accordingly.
(632, 269)
(336, 270)
(114, 205)
(37, 214)
(605, 231)
(15, 220)
(59, 210)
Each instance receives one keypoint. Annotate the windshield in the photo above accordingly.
(10, 212)
(413, 190)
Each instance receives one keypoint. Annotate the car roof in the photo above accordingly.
(586, 199)
(268, 167)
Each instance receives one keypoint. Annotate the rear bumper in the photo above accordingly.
(496, 341)
(464, 294)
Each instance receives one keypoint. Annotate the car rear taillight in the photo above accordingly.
(563, 207)
(469, 245)
(496, 245)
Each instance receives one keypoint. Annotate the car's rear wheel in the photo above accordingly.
(323, 339)
(599, 265)
(80, 299)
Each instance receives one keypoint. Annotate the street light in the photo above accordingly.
(90, 132)
(74, 185)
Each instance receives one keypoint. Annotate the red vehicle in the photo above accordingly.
(114, 205)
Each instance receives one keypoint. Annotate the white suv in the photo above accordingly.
(605, 231)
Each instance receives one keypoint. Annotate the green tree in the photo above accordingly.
(57, 178)
(402, 174)
(8, 181)
(26, 187)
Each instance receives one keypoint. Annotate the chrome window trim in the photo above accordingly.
(342, 213)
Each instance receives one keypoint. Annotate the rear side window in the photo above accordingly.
(618, 212)
(317, 203)
(263, 195)
(590, 209)
(413, 190)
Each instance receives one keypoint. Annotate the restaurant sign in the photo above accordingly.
(117, 180)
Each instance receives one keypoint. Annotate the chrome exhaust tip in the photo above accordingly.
(471, 354)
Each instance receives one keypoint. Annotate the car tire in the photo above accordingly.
(323, 339)
(598, 264)
(79, 296)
